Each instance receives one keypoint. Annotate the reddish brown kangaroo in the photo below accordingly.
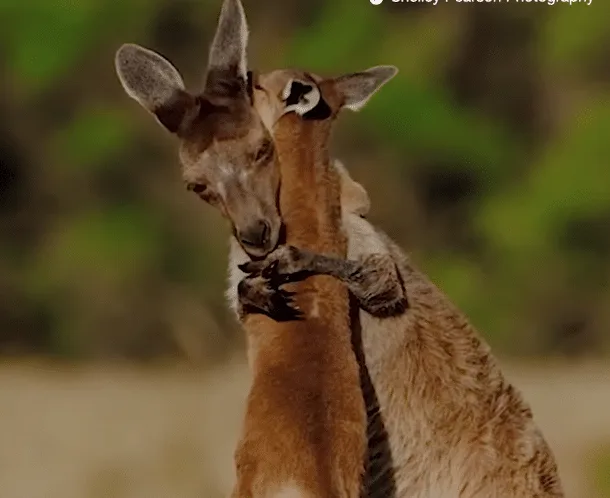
(331, 412)
(305, 427)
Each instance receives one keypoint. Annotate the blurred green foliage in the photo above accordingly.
(487, 158)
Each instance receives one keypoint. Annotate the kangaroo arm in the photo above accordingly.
(374, 279)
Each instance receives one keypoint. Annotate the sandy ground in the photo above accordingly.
(101, 432)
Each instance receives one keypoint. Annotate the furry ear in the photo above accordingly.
(300, 97)
(358, 88)
(155, 83)
(354, 197)
(228, 50)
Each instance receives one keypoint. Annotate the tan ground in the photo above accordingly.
(101, 432)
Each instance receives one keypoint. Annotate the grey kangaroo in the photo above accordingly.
(455, 426)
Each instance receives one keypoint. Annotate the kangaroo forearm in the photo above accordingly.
(342, 269)
(378, 286)
(374, 280)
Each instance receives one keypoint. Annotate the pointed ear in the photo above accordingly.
(354, 197)
(300, 97)
(358, 88)
(156, 84)
(228, 50)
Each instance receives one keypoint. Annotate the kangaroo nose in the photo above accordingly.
(256, 235)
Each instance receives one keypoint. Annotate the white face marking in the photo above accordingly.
(227, 174)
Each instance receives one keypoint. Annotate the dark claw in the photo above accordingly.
(287, 314)
(282, 307)
(270, 271)
(281, 312)
(267, 299)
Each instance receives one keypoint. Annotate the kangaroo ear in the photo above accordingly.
(358, 88)
(354, 197)
(300, 97)
(228, 51)
(156, 84)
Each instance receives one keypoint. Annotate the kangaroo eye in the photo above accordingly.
(263, 152)
(198, 188)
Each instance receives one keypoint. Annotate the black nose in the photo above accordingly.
(256, 235)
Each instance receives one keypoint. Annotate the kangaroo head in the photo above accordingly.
(227, 154)
(225, 130)
(313, 97)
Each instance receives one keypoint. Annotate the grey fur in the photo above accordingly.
(455, 426)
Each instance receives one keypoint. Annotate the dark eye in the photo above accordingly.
(264, 151)
(198, 188)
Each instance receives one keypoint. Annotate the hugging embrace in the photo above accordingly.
(366, 379)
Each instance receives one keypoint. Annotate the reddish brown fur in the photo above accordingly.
(305, 420)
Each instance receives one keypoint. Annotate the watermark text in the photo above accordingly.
(437, 2)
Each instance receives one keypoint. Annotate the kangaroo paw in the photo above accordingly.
(285, 264)
(257, 294)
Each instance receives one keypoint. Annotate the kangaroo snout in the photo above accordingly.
(255, 238)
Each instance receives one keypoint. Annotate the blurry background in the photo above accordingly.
(122, 371)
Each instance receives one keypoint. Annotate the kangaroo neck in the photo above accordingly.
(309, 194)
